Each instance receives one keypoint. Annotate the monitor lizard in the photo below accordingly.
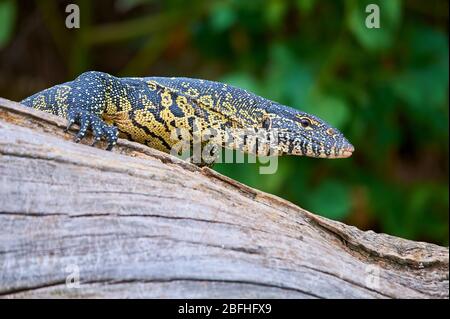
(148, 110)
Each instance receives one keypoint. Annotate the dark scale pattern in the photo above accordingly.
(148, 110)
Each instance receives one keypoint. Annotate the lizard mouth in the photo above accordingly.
(343, 152)
(341, 149)
(319, 151)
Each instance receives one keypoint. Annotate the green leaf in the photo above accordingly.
(306, 5)
(331, 199)
(330, 108)
(222, 17)
(375, 38)
(274, 12)
(288, 80)
(8, 9)
(427, 73)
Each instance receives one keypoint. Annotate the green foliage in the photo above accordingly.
(333, 109)
(7, 20)
(339, 207)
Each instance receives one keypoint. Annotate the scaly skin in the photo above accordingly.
(148, 110)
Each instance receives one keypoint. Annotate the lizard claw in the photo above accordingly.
(71, 118)
(111, 136)
(69, 125)
(96, 139)
(99, 127)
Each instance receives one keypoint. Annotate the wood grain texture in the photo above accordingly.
(138, 223)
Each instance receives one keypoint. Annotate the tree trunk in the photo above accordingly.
(78, 221)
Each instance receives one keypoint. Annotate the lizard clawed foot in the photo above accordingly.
(99, 127)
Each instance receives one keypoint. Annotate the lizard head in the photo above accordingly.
(301, 133)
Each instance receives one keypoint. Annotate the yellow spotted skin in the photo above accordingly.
(149, 110)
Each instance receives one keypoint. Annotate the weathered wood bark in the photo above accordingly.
(139, 223)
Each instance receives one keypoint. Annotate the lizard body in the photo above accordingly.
(148, 110)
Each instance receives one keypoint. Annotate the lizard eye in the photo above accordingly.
(305, 122)
(266, 123)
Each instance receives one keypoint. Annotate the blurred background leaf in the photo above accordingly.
(7, 20)
(386, 89)
(339, 207)
(375, 38)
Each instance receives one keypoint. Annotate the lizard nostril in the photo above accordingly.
(331, 132)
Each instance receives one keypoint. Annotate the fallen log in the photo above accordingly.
(78, 221)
